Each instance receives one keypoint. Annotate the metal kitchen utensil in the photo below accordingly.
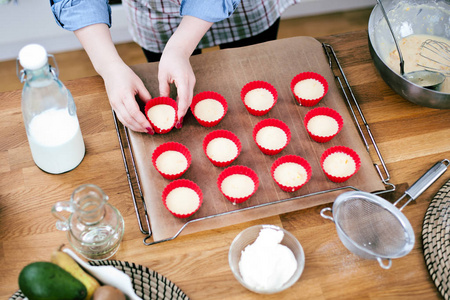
(430, 79)
(414, 17)
(373, 228)
(437, 54)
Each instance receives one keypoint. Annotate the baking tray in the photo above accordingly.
(226, 72)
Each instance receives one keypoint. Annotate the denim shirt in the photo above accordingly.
(75, 14)
(153, 22)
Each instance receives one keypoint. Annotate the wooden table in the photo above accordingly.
(410, 137)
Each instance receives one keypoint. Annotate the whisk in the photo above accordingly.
(436, 56)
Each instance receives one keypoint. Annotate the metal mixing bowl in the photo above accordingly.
(408, 17)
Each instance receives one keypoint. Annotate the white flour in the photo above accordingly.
(266, 264)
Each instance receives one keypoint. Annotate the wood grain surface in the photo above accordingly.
(411, 138)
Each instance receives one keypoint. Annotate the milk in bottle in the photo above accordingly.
(49, 114)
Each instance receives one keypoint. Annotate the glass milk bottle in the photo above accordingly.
(49, 114)
(94, 227)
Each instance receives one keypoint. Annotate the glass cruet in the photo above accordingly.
(94, 227)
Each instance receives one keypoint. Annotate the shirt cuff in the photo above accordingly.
(210, 10)
(76, 14)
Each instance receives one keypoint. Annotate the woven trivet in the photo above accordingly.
(436, 239)
(147, 284)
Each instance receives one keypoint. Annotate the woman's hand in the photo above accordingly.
(174, 66)
(123, 87)
(122, 84)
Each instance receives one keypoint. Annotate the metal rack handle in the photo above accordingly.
(331, 54)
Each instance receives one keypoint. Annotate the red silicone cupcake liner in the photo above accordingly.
(221, 134)
(157, 101)
(309, 75)
(291, 159)
(323, 111)
(256, 85)
(345, 150)
(174, 146)
(237, 170)
(209, 95)
(275, 123)
(182, 183)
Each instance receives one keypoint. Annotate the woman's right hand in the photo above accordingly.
(123, 86)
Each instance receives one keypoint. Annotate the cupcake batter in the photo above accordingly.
(238, 186)
(162, 115)
(271, 137)
(410, 48)
(182, 200)
(171, 162)
(259, 99)
(290, 174)
(339, 164)
(309, 89)
(209, 110)
(221, 149)
(322, 125)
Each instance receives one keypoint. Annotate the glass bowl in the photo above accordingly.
(247, 237)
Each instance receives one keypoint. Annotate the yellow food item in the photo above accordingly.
(107, 292)
(66, 262)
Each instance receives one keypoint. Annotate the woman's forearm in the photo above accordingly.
(96, 41)
(187, 36)
(121, 83)
(174, 66)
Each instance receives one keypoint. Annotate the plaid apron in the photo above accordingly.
(152, 22)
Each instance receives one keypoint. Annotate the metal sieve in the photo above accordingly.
(372, 227)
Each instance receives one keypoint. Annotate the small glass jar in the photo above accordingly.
(94, 228)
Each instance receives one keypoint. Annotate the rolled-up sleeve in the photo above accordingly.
(209, 10)
(76, 14)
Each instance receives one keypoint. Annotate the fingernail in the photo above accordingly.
(179, 123)
(150, 130)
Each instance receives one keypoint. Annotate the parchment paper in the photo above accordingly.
(226, 72)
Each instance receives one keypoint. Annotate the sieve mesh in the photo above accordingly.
(371, 226)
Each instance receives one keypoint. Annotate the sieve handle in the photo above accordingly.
(384, 265)
(425, 181)
(324, 215)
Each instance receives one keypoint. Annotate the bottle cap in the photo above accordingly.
(33, 56)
